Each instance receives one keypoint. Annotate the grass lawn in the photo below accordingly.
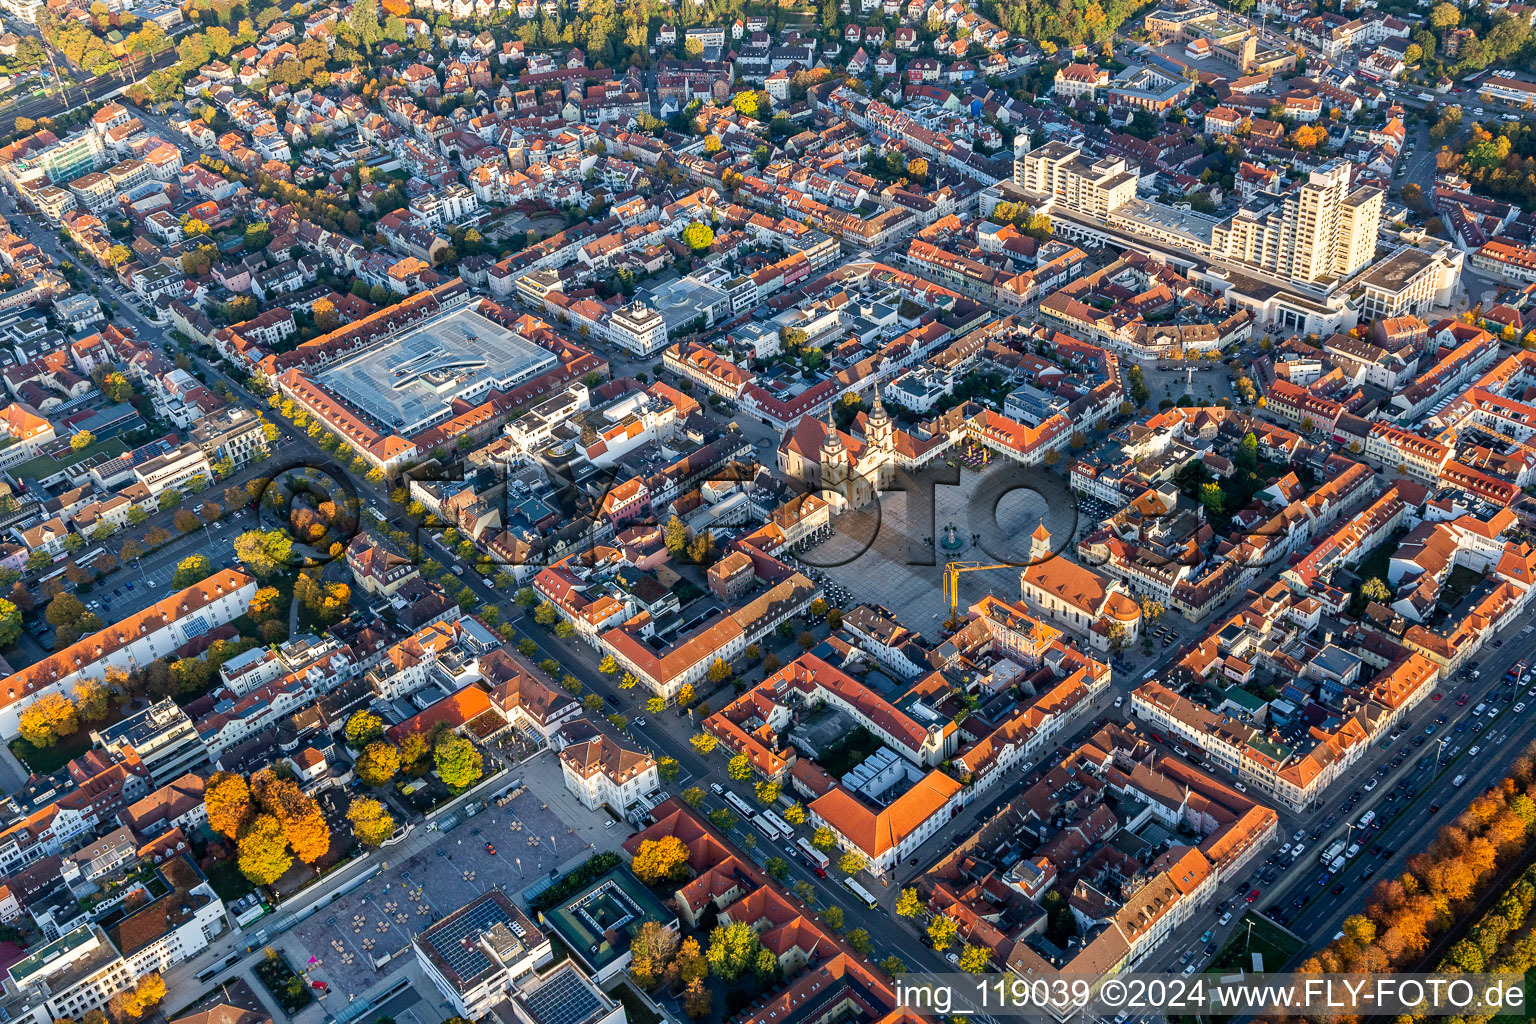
(44, 466)
(47, 760)
(635, 1008)
(849, 752)
(1276, 946)
(286, 987)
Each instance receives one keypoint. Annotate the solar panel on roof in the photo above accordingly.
(563, 999)
(457, 939)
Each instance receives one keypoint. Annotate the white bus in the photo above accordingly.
(862, 893)
(816, 860)
(780, 824)
(765, 827)
(740, 806)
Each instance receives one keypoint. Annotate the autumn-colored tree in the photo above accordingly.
(942, 931)
(651, 951)
(48, 719)
(852, 862)
(303, 822)
(698, 236)
(92, 697)
(137, 1001)
(698, 1001)
(413, 752)
(363, 728)
(371, 823)
(909, 903)
(690, 962)
(660, 861)
(266, 604)
(704, 742)
(739, 768)
(192, 569)
(975, 959)
(263, 850)
(378, 763)
(824, 839)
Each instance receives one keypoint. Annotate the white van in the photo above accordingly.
(1478, 711)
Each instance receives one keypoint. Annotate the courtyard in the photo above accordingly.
(353, 940)
(892, 552)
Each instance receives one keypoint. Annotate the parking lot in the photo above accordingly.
(141, 583)
(512, 847)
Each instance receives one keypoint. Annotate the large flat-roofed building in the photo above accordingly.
(1411, 281)
(162, 736)
(597, 923)
(477, 954)
(411, 382)
(1059, 170)
(1508, 90)
(1322, 231)
(68, 978)
(565, 995)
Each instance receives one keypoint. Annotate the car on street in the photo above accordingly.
(490, 849)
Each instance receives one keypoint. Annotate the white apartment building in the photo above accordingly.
(477, 955)
(161, 735)
(1318, 232)
(66, 979)
(637, 328)
(232, 434)
(599, 772)
(129, 643)
(1060, 171)
(174, 470)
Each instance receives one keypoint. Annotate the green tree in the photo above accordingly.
(264, 552)
(459, 764)
(732, 950)
(698, 236)
(190, 570)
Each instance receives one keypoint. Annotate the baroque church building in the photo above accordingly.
(849, 472)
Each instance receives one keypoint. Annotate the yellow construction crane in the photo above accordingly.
(952, 571)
